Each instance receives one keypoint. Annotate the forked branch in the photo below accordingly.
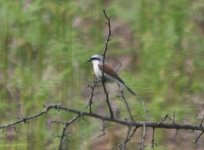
(129, 124)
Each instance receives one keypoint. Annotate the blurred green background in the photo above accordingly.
(44, 47)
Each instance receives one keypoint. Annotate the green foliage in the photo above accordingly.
(44, 46)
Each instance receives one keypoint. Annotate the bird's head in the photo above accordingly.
(96, 58)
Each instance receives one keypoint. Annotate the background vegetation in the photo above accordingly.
(44, 45)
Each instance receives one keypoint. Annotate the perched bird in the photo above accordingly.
(109, 74)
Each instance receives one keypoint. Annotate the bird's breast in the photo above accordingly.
(97, 71)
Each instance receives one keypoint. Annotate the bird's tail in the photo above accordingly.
(130, 90)
(122, 83)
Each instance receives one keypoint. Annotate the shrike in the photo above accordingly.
(109, 74)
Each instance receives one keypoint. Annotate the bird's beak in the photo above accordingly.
(89, 59)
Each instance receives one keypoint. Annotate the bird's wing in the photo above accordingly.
(109, 71)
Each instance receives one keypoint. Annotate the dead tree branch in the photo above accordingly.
(145, 110)
(104, 57)
(58, 107)
(126, 104)
(201, 122)
(26, 119)
(129, 135)
(66, 125)
(136, 124)
(92, 87)
(143, 137)
(153, 138)
(103, 130)
(198, 137)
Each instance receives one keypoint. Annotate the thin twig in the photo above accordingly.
(103, 130)
(26, 119)
(174, 117)
(153, 139)
(164, 119)
(57, 122)
(143, 137)
(145, 110)
(62, 137)
(198, 137)
(201, 123)
(118, 67)
(104, 57)
(177, 130)
(122, 146)
(129, 135)
(91, 96)
(126, 103)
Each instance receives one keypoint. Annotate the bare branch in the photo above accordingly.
(62, 137)
(91, 96)
(201, 123)
(198, 137)
(136, 124)
(145, 110)
(153, 139)
(59, 107)
(126, 104)
(174, 117)
(103, 129)
(164, 119)
(104, 57)
(129, 135)
(118, 67)
(143, 137)
(177, 130)
(26, 119)
(57, 122)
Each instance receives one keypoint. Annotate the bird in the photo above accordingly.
(109, 74)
